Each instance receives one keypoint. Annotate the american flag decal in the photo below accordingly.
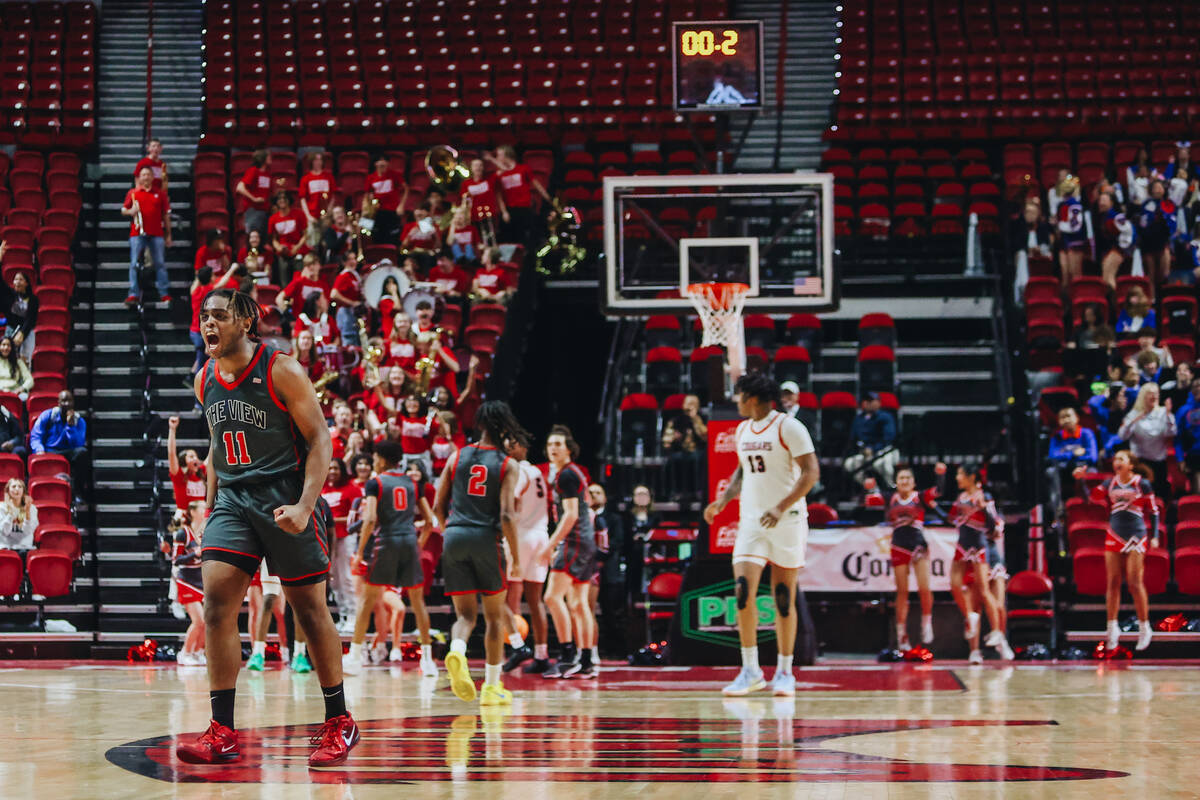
(256, 380)
(806, 286)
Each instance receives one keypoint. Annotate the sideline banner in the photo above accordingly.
(722, 461)
(859, 560)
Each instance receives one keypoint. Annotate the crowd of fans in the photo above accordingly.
(1131, 368)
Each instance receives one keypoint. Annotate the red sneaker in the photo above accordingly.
(216, 745)
(334, 740)
(132, 300)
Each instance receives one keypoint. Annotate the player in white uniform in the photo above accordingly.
(533, 519)
(777, 466)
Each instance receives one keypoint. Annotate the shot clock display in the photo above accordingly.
(717, 65)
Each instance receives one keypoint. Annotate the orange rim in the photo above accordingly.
(719, 295)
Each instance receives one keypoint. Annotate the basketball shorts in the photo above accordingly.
(1126, 534)
(189, 586)
(972, 546)
(784, 545)
(472, 561)
(241, 531)
(528, 544)
(995, 561)
(394, 562)
(576, 556)
(908, 545)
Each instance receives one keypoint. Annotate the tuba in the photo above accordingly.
(445, 169)
(320, 383)
(561, 253)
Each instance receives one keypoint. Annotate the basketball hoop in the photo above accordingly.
(720, 308)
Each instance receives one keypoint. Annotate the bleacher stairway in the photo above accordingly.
(142, 355)
(809, 82)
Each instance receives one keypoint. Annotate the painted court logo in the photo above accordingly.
(589, 749)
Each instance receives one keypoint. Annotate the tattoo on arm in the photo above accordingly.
(734, 487)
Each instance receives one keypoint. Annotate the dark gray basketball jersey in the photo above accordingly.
(475, 481)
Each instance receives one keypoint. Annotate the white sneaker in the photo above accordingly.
(972, 629)
(395, 655)
(1114, 636)
(994, 638)
(904, 645)
(177, 611)
(747, 681)
(1145, 634)
(783, 684)
(1006, 652)
(927, 632)
(351, 666)
(976, 657)
(285, 655)
(200, 658)
(378, 654)
(429, 668)
(184, 659)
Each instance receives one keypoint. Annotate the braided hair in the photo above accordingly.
(496, 419)
(241, 306)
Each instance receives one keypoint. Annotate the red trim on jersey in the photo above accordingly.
(765, 427)
(203, 550)
(320, 539)
(204, 380)
(302, 577)
(238, 381)
(781, 441)
(454, 464)
(504, 466)
(271, 383)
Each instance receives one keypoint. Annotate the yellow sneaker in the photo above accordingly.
(495, 695)
(460, 677)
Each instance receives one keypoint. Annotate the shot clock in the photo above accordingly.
(717, 65)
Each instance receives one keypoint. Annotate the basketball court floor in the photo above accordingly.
(855, 730)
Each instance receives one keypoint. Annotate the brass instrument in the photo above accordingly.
(320, 383)
(562, 248)
(138, 223)
(487, 227)
(424, 374)
(372, 354)
(445, 169)
(366, 215)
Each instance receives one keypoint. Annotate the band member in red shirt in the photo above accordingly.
(422, 237)
(484, 202)
(150, 230)
(255, 191)
(213, 253)
(463, 237)
(347, 293)
(286, 229)
(255, 247)
(389, 188)
(516, 184)
(317, 189)
(492, 282)
(452, 281)
(153, 160)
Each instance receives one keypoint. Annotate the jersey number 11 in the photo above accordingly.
(235, 448)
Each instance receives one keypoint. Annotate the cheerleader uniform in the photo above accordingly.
(975, 516)
(1070, 224)
(1116, 233)
(1157, 223)
(907, 518)
(1129, 504)
(189, 585)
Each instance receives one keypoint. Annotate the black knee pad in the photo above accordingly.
(743, 593)
(783, 599)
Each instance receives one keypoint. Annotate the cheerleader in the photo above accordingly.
(975, 515)
(1073, 236)
(189, 587)
(906, 515)
(1130, 499)
(1115, 238)
(1157, 224)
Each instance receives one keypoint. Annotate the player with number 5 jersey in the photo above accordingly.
(268, 462)
(476, 503)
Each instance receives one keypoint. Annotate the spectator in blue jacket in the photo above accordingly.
(873, 434)
(63, 431)
(1072, 446)
(1187, 442)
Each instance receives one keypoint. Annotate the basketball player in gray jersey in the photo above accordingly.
(476, 501)
(268, 461)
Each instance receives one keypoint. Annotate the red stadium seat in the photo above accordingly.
(639, 423)
(760, 331)
(1034, 593)
(13, 403)
(792, 363)
(11, 466)
(64, 539)
(50, 573)
(1187, 568)
(48, 465)
(51, 492)
(1189, 508)
(820, 515)
(805, 330)
(487, 314)
(12, 573)
(481, 338)
(1089, 571)
(662, 329)
(876, 328)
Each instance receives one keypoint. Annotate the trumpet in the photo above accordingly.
(319, 386)
(372, 354)
(424, 374)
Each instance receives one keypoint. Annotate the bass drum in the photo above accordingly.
(415, 297)
(373, 283)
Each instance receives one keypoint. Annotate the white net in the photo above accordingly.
(720, 308)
